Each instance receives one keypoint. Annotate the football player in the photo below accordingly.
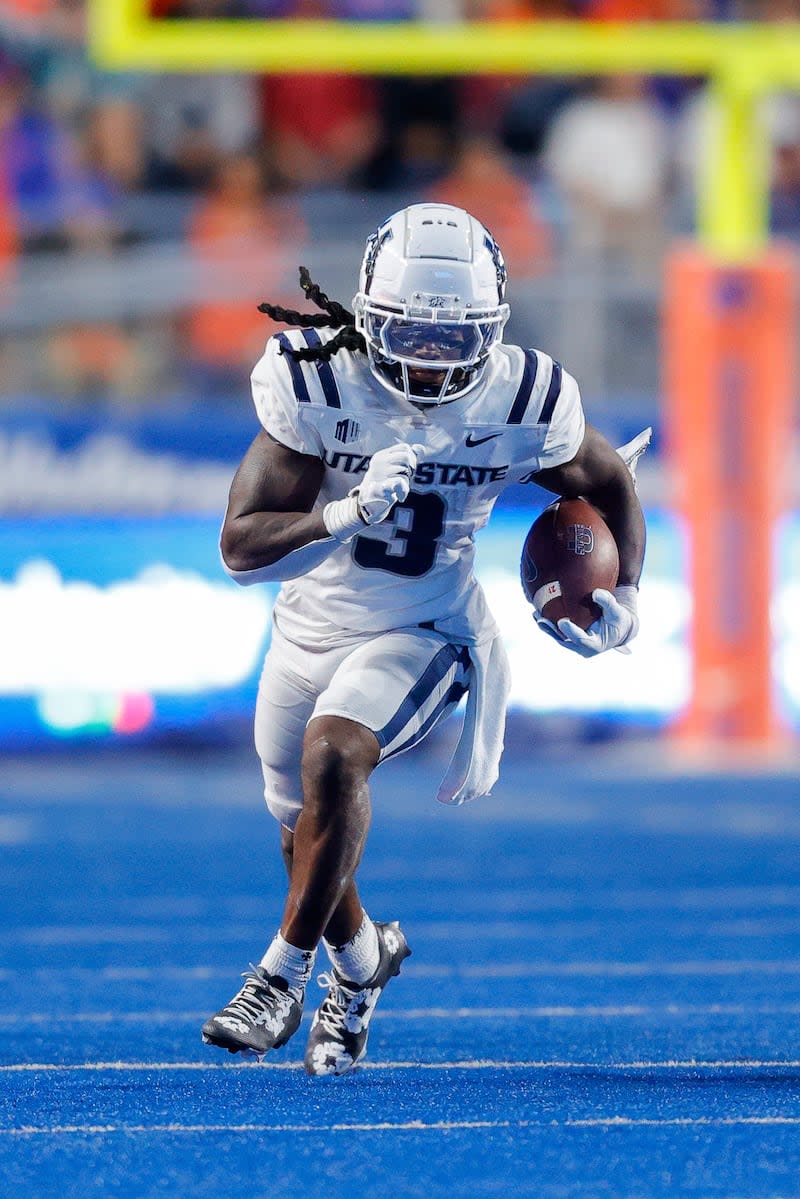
(387, 435)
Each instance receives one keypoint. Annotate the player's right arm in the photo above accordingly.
(272, 530)
(270, 506)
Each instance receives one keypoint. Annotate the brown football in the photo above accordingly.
(568, 552)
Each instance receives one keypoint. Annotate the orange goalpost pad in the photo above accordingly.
(729, 376)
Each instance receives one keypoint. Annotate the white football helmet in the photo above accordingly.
(430, 302)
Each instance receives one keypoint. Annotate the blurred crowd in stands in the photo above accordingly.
(240, 178)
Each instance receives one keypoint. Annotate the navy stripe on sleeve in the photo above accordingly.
(523, 395)
(553, 392)
(296, 370)
(324, 370)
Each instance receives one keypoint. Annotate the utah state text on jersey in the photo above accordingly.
(441, 473)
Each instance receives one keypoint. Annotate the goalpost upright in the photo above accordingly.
(729, 313)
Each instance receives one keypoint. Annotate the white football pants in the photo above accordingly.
(399, 684)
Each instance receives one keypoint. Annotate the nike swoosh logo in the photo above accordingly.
(473, 441)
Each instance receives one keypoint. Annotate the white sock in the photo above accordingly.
(291, 963)
(357, 960)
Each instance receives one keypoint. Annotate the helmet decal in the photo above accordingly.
(425, 301)
(375, 242)
(499, 262)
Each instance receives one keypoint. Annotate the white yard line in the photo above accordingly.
(715, 967)
(515, 928)
(406, 1126)
(542, 1012)
(467, 1064)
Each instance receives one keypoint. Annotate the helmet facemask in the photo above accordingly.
(425, 342)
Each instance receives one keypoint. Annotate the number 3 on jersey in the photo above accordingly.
(416, 523)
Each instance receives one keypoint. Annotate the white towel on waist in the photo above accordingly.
(475, 764)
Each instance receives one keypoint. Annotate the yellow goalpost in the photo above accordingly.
(729, 310)
(742, 62)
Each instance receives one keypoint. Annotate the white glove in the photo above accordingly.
(618, 624)
(387, 481)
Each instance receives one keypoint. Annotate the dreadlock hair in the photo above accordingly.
(334, 315)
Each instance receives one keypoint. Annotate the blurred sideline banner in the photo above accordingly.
(128, 629)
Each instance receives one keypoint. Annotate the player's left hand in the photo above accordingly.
(618, 624)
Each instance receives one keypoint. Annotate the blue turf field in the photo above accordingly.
(603, 998)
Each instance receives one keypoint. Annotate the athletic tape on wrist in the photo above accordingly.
(546, 593)
(342, 519)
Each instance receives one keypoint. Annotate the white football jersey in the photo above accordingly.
(415, 567)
